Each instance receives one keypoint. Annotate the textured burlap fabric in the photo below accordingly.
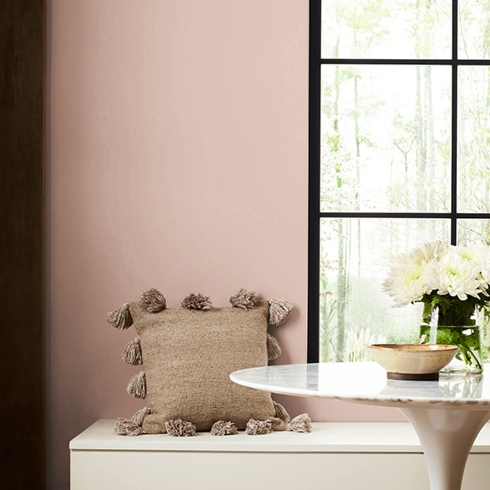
(188, 356)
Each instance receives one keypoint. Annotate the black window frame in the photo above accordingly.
(314, 209)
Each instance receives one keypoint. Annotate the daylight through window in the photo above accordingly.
(399, 155)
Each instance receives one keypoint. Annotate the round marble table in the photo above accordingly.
(447, 414)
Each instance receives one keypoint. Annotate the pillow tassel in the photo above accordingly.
(258, 427)
(120, 318)
(140, 415)
(132, 426)
(273, 349)
(300, 423)
(132, 353)
(279, 311)
(281, 412)
(126, 427)
(137, 385)
(180, 428)
(153, 301)
(244, 299)
(196, 302)
(223, 428)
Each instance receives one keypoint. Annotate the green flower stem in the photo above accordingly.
(449, 335)
(477, 362)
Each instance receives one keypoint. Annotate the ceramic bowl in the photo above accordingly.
(413, 361)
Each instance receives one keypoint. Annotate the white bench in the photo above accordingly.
(337, 456)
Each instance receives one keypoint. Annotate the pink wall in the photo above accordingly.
(177, 158)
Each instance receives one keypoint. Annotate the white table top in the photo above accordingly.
(367, 383)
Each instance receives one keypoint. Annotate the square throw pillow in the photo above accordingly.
(188, 354)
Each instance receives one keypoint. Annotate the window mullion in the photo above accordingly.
(454, 125)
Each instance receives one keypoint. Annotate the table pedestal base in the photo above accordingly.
(446, 437)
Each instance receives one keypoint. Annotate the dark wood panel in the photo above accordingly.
(22, 363)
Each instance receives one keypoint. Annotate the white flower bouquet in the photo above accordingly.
(436, 271)
(452, 281)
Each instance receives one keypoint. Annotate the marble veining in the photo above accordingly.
(367, 383)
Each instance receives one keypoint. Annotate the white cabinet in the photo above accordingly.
(337, 456)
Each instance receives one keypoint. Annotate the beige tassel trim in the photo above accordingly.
(137, 385)
(120, 318)
(279, 311)
(126, 427)
(258, 427)
(133, 426)
(244, 299)
(180, 428)
(140, 415)
(223, 428)
(132, 353)
(273, 349)
(196, 302)
(281, 412)
(153, 301)
(301, 423)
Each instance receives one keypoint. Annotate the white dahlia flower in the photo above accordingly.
(434, 268)
(458, 275)
(405, 283)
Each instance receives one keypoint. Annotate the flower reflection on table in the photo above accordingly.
(461, 386)
(452, 386)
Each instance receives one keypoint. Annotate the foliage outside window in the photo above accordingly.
(399, 155)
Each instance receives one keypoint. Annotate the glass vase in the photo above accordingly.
(455, 325)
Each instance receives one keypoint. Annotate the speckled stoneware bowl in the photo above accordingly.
(413, 361)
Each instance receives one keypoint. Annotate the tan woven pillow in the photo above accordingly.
(188, 355)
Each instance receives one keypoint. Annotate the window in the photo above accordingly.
(399, 155)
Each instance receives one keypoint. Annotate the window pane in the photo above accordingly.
(473, 231)
(385, 138)
(474, 139)
(473, 29)
(355, 258)
(386, 29)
